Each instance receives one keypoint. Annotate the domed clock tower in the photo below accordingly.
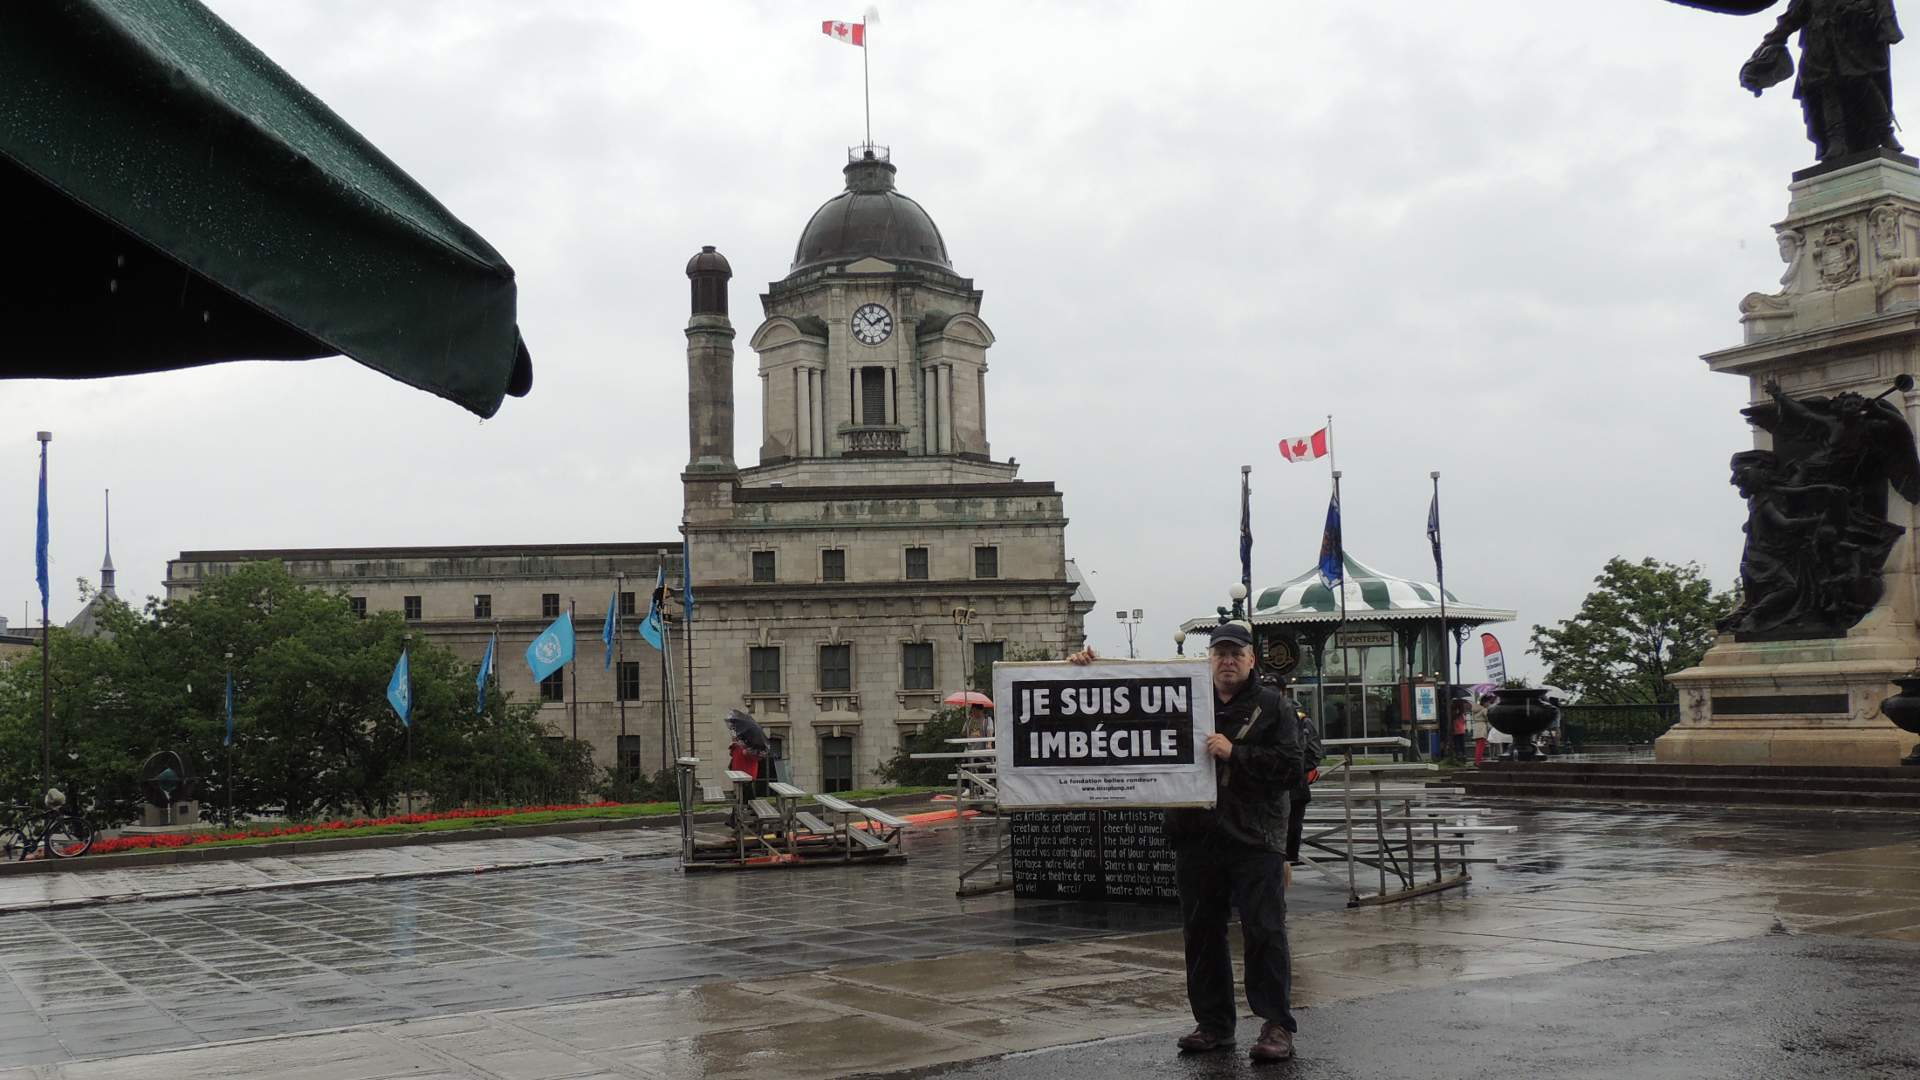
(878, 555)
(872, 345)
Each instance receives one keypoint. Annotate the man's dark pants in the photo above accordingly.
(1212, 879)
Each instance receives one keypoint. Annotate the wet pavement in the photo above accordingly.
(631, 969)
(1779, 1005)
(88, 886)
(114, 979)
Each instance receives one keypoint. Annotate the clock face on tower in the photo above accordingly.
(872, 324)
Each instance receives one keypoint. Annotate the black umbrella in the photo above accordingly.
(748, 731)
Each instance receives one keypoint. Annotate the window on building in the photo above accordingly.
(550, 605)
(873, 395)
(554, 686)
(627, 604)
(916, 564)
(763, 670)
(777, 758)
(483, 606)
(763, 566)
(916, 662)
(358, 604)
(985, 655)
(410, 607)
(986, 562)
(629, 681)
(836, 667)
(631, 767)
(836, 763)
(833, 565)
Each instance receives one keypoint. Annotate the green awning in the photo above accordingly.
(174, 198)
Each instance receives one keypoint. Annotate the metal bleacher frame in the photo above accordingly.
(783, 831)
(986, 842)
(1396, 829)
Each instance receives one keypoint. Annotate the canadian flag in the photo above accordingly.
(851, 33)
(1306, 448)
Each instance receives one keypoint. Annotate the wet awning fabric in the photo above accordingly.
(173, 198)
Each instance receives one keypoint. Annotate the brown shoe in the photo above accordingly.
(1275, 1044)
(1202, 1041)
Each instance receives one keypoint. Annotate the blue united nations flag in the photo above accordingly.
(400, 690)
(553, 649)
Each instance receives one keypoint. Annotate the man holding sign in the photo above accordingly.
(1234, 855)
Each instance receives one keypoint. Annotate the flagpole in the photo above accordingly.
(866, 81)
(1440, 572)
(1246, 536)
(1340, 555)
(619, 664)
(46, 631)
(407, 720)
(229, 738)
(1333, 456)
(572, 622)
(687, 602)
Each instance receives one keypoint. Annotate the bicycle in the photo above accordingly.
(53, 832)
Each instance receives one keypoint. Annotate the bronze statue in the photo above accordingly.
(1844, 87)
(1817, 528)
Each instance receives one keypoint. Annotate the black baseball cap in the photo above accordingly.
(1232, 633)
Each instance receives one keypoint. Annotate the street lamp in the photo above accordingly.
(1130, 622)
(1180, 643)
(1238, 594)
(963, 618)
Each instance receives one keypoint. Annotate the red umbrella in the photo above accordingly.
(969, 697)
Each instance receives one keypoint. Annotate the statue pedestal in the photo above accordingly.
(1848, 319)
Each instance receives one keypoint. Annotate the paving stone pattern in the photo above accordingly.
(116, 979)
(631, 969)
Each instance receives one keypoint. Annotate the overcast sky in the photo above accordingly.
(1491, 238)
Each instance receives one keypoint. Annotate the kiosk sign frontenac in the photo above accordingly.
(1110, 733)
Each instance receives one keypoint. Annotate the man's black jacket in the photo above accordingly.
(1256, 783)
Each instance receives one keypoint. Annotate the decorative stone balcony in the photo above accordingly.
(873, 440)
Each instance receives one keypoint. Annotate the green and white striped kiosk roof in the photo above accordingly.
(1372, 596)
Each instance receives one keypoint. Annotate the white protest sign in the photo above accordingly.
(1109, 733)
(1426, 703)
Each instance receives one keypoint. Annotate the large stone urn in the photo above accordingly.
(1522, 713)
(1903, 709)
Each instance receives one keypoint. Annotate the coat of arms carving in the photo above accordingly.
(1838, 257)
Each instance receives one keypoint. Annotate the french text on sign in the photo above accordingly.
(1115, 733)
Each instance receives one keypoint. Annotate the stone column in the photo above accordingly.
(944, 402)
(802, 413)
(930, 417)
(890, 411)
(819, 413)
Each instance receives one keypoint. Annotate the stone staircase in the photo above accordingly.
(1824, 787)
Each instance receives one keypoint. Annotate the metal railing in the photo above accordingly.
(1584, 727)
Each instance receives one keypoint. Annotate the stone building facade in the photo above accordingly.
(828, 576)
(458, 597)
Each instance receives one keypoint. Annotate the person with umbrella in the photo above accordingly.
(979, 710)
(750, 745)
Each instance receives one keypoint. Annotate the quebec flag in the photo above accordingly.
(553, 649)
(400, 690)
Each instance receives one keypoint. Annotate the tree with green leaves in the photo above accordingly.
(1642, 622)
(313, 733)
